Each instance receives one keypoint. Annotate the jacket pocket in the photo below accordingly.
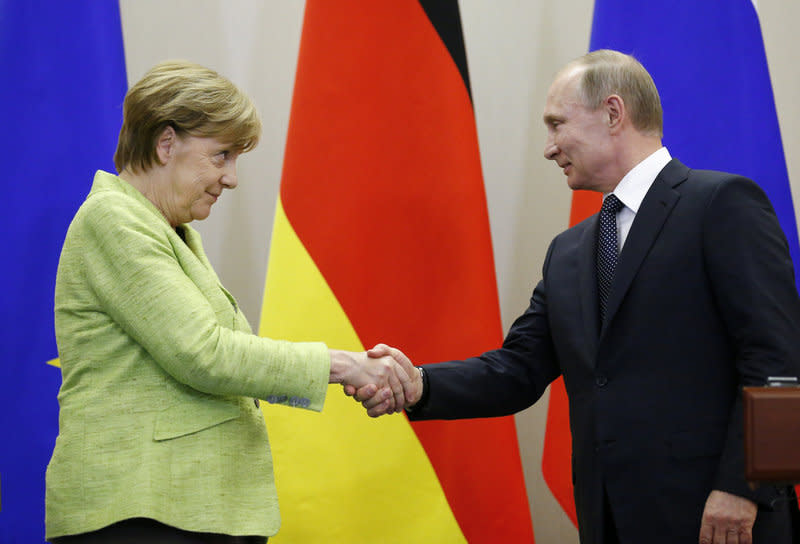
(188, 418)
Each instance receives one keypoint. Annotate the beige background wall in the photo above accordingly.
(513, 49)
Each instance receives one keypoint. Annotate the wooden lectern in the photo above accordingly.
(772, 433)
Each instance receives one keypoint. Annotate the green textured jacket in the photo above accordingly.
(160, 372)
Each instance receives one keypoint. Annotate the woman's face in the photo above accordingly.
(198, 170)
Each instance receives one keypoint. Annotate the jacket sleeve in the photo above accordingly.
(751, 274)
(499, 382)
(130, 265)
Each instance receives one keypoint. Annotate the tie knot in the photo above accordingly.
(612, 204)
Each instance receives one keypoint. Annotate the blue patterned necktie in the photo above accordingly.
(607, 250)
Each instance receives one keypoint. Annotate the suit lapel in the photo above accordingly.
(656, 207)
(588, 283)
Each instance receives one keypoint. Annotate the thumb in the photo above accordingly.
(380, 350)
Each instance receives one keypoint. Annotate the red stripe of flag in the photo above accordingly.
(382, 182)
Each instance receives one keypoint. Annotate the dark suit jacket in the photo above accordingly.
(703, 302)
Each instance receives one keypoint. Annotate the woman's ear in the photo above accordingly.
(165, 145)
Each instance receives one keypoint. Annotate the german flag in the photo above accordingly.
(382, 235)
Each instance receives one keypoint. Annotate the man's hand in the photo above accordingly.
(727, 519)
(379, 401)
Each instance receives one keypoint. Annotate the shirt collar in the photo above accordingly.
(632, 188)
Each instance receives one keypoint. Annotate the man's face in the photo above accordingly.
(578, 139)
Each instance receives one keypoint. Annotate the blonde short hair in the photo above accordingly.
(193, 100)
(606, 72)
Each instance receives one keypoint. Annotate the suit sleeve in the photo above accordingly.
(752, 278)
(131, 269)
(499, 382)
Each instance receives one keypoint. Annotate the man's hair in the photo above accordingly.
(194, 101)
(606, 72)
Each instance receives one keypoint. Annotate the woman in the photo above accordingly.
(161, 436)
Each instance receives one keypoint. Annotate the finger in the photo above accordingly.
(732, 536)
(719, 535)
(349, 390)
(402, 360)
(706, 533)
(379, 410)
(411, 384)
(746, 537)
(384, 394)
(397, 386)
(366, 392)
(407, 383)
(393, 386)
(380, 350)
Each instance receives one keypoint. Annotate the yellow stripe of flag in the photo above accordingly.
(373, 476)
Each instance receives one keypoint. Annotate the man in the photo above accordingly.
(656, 311)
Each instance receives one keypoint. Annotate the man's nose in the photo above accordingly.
(550, 149)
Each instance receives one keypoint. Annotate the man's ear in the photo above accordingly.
(615, 111)
(165, 144)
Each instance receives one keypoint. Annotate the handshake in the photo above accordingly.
(382, 379)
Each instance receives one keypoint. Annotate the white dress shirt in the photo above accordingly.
(632, 188)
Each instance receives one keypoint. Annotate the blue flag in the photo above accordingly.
(63, 71)
(708, 61)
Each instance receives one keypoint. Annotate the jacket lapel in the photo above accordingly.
(587, 272)
(656, 207)
(190, 254)
(194, 262)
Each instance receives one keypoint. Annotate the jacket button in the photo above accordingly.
(600, 380)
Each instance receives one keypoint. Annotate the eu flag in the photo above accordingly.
(63, 71)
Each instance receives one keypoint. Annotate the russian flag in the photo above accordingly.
(708, 61)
